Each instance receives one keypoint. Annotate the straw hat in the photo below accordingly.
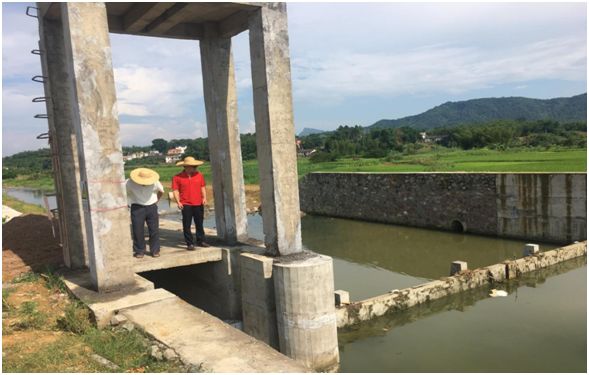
(190, 162)
(144, 176)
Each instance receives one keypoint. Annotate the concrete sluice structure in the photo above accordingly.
(89, 178)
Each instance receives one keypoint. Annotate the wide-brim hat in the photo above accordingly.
(190, 162)
(144, 176)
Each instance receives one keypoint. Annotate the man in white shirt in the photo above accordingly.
(143, 192)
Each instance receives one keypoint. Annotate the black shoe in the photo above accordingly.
(190, 247)
(138, 255)
(203, 244)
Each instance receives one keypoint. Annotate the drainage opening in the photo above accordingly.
(457, 226)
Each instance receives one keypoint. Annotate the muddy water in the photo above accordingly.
(540, 327)
(374, 258)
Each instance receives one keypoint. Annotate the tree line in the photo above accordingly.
(355, 141)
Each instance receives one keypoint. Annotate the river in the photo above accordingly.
(540, 327)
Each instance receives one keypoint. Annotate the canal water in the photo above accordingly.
(541, 326)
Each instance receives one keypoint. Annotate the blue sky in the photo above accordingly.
(352, 63)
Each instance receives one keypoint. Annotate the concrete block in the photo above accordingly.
(457, 266)
(257, 298)
(342, 297)
(531, 249)
(307, 327)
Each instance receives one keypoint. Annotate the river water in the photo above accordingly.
(540, 327)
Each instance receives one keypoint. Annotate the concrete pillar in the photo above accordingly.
(307, 326)
(257, 296)
(63, 142)
(458, 266)
(275, 137)
(223, 132)
(531, 249)
(94, 107)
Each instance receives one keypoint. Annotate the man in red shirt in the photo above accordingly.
(191, 196)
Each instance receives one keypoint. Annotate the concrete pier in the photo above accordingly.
(275, 136)
(305, 310)
(458, 266)
(63, 145)
(222, 129)
(96, 122)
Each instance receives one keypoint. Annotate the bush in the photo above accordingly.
(321, 157)
(8, 173)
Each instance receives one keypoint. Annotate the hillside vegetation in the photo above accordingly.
(477, 111)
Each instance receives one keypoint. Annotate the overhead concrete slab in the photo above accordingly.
(207, 342)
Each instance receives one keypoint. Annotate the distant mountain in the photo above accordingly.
(489, 109)
(309, 131)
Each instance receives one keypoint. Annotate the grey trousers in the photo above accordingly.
(139, 216)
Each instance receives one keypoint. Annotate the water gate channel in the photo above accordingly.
(539, 327)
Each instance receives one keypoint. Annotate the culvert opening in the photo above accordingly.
(457, 226)
(202, 286)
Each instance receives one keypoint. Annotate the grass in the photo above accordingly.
(440, 160)
(21, 206)
(33, 344)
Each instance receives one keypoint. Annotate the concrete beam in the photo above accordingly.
(101, 160)
(224, 143)
(63, 143)
(168, 19)
(234, 24)
(141, 14)
(275, 137)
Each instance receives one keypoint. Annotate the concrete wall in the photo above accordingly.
(548, 207)
(465, 280)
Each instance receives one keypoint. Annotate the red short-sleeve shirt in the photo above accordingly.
(189, 187)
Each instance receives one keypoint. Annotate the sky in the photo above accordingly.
(351, 64)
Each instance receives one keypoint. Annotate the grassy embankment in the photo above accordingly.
(481, 160)
(44, 330)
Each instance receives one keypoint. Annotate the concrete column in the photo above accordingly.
(94, 107)
(257, 298)
(63, 142)
(305, 311)
(223, 133)
(275, 137)
(458, 266)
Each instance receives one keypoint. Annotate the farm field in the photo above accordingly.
(480, 160)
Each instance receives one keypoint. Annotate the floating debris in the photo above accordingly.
(498, 293)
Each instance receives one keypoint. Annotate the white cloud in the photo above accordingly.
(435, 69)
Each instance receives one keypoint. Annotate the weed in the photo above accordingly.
(76, 319)
(28, 277)
(30, 316)
(6, 307)
(53, 281)
(126, 349)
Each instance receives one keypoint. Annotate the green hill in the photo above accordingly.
(490, 109)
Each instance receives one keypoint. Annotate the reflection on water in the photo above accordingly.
(540, 327)
(412, 254)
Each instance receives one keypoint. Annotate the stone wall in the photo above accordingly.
(465, 280)
(548, 207)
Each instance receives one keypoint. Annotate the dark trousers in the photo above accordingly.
(196, 213)
(139, 216)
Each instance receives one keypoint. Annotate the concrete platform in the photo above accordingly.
(205, 341)
(173, 251)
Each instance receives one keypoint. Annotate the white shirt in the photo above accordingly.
(144, 195)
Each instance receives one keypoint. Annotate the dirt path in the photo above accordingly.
(28, 244)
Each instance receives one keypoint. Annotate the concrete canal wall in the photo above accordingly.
(548, 207)
(464, 280)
